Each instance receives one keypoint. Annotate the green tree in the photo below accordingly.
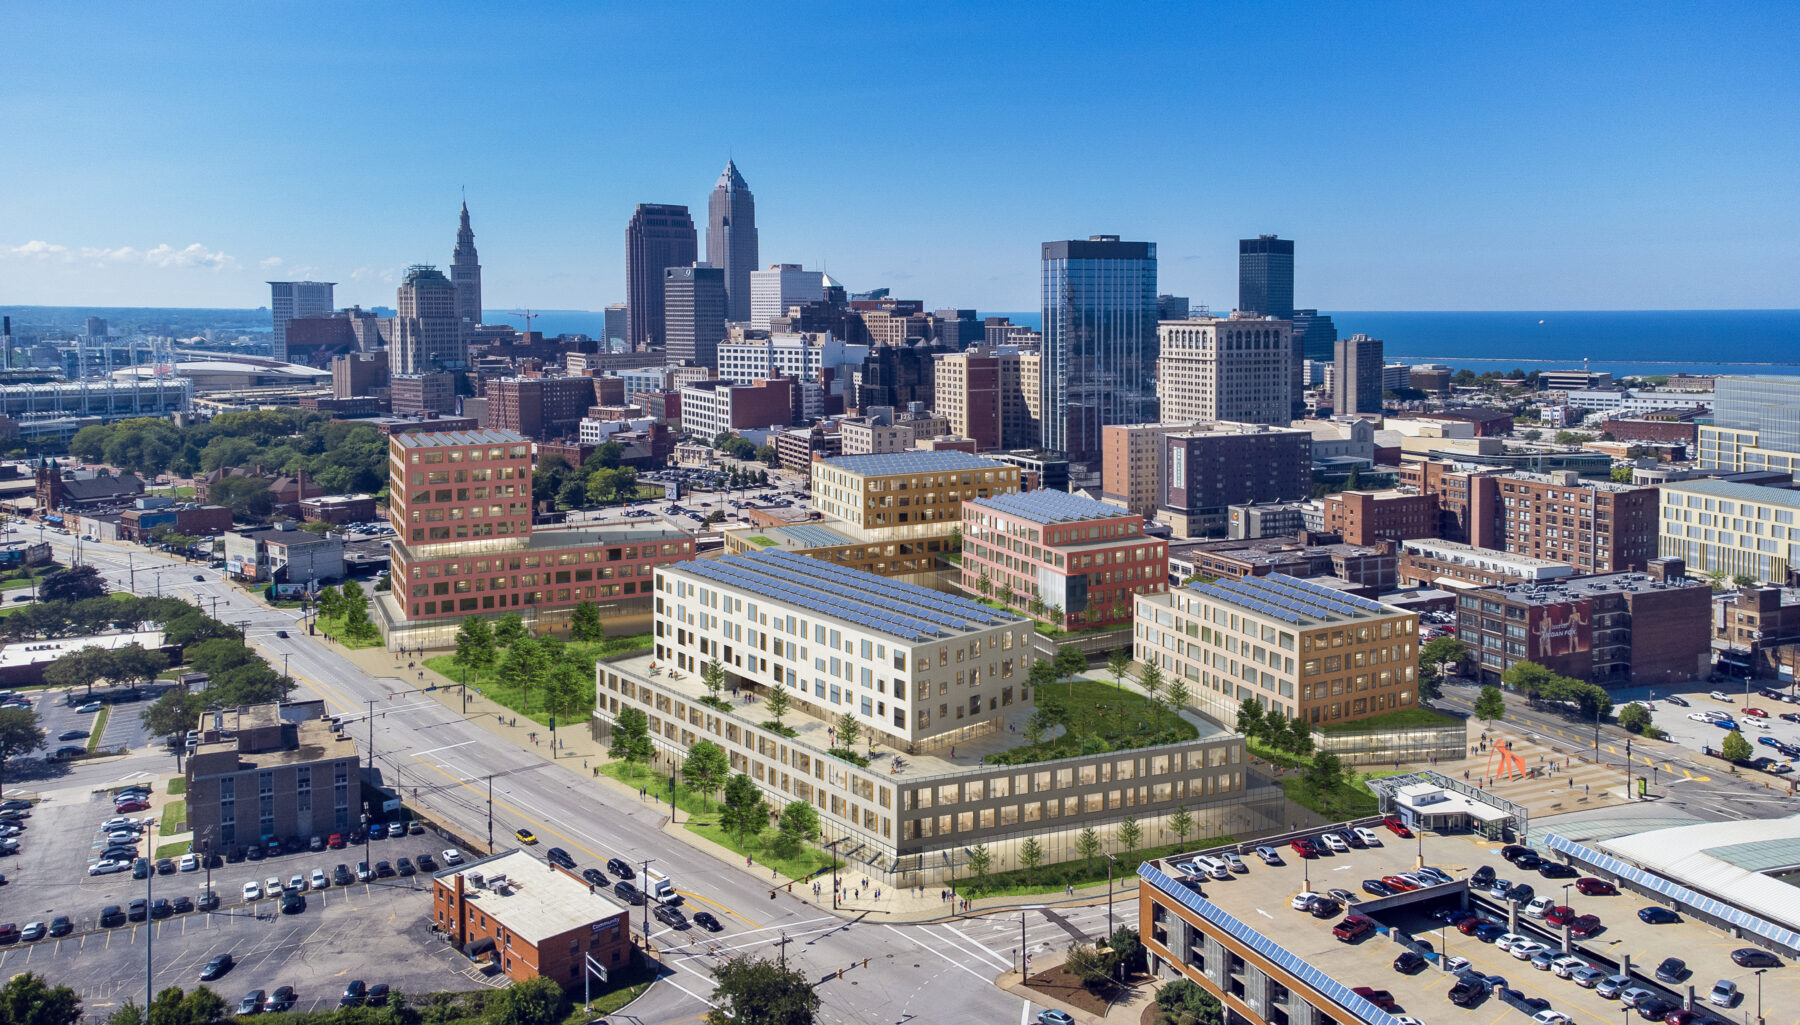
(980, 861)
(1181, 823)
(1636, 718)
(984, 583)
(1250, 718)
(1035, 605)
(1300, 738)
(475, 645)
(1089, 965)
(1433, 656)
(509, 628)
(1040, 722)
(800, 820)
(1119, 665)
(585, 624)
(745, 811)
(1490, 705)
(706, 768)
(1129, 835)
(777, 703)
(1735, 748)
(1070, 661)
(1182, 1002)
(173, 1007)
(631, 736)
(536, 1001)
(1177, 695)
(1031, 855)
(1087, 846)
(848, 731)
(713, 676)
(1041, 674)
(19, 734)
(566, 694)
(1323, 777)
(1151, 679)
(1717, 577)
(174, 712)
(758, 991)
(127, 1013)
(27, 1000)
(1620, 475)
(356, 611)
(767, 454)
(133, 664)
(1530, 679)
(1127, 949)
(524, 668)
(1005, 595)
(83, 667)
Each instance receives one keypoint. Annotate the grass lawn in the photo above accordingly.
(171, 850)
(1076, 873)
(173, 813)
(626, 985)
(1352, 800)
(174, 491)
(1399, 719)
(704, 822)
(20, 579)
(333, 626)
(531, 705)
(1093, 711)
(648, 491)
(766, 542)
(1039, 625)
(177, 786)
(99, 727)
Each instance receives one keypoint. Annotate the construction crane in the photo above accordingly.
(527, 316)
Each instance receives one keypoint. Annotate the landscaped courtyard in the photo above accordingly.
(1097, 716)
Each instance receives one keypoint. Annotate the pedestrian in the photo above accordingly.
(771, 873)
(746, 861)
(877, 893)
(953, 752)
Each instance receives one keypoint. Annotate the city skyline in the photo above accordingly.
(1517, 158)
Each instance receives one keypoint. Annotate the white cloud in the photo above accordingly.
(271, 263)
(163, 256)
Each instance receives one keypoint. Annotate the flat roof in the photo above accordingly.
(1737, 492)
(1531, 477)
(604, 534)
(27, 653)
(1725, 859)
(1047, 507)
(886, 606)
(539, 902)
(1292, 600)
(887, 464)
(439, 439)
(1487, 555)
(1563, 588)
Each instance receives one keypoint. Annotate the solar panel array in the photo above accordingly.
(814, 536)
(1287, 960)
(848, 595)
(1052, 507)
(1290, 599)
(1676, 892)
(887, 463)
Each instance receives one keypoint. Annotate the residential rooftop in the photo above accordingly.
(1047, 507)
(1584, 482)
(1738, 492)
(887, 464)
(1291, 600)
(905, 612)
(442, 439)
(539, 901)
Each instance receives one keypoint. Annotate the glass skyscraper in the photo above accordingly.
(1266, 276)
(1100, 344)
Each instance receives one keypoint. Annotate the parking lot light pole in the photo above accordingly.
(1759, 975)
(1109, 892)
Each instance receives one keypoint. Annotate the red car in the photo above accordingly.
(1583, 926)
(1595, 887)
(1468, 925)
(1558, 914)
(124, 806)
(1399, 885)
(1379, 997)
(1398, 827)
(1755, 713)
(336, 842)
(1304, 848)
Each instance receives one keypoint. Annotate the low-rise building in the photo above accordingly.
(22, 664)
(336, 509)
(1083, 561)
(141, 524)
(1291, 645)
(907, 495)
(531, 919)
(1302, 554)
(270, 771)
(1365, 517)
(284, 555)
(1434, 563)
(1615, 629)
(711, 408)
(1757, 630)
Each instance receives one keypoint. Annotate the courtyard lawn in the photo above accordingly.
(1047, 629)
(1399, 719)
(531, 705)
(1098, 717)
(704, 814)
(173, 814)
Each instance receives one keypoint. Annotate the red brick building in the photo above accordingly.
(1086, 559)
(1595, 526)
(1468, 500)
(531, 919)
(1365, 517)
(541, 407)
(1488, 423)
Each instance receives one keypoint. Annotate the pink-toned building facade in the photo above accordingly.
(461, 503)
(1085, 558)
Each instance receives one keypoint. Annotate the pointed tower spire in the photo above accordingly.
(465, 271)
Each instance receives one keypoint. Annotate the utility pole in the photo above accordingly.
(371, 769)
(784, 943)
(644, 880)
(490, 813)
(1109, 892)
(150, 945)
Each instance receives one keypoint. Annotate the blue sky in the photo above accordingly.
(1429, 156)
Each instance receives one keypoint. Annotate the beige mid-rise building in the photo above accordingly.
(1239, 368)
(904, 495)
(990, 396)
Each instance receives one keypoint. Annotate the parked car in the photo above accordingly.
(252, 1003)
(1566, 967)
(216, 968)
(452, 858)
(1657, 916)
(1610, 987)
(1672, 969)
(1752, 957)
(1304, 847)
(354, 994)
(1302, 900)
(628, 893)
(595, 877)
(1353, 928)
(1557, 870)
(1754, 713)
(1377, 888)
(1334, 843)
(1588, 978)
(1591, 887)
(1483, 876)
(1724, 993)
(1676, 699)
(1368, 837)
(282, 999)
(1408, 962)
(1269, 855)
(1397, 827)
(621, 868)
(1583, 926)
(318, 881)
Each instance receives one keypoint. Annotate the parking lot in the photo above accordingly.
(1262, 898)
(377, 931)
(124, 722)
(1677, 721)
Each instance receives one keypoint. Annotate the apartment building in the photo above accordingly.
(1365, 517)
(540, 408)
(1468, 499)
(1614, 629)
(269, 771)
(1206, 472)
(711, 408)
(1595, 526)
(1131, 464)
(461, 504)
(866, 436)
(906, 495)
(1083, 560)
(1239, 368)
(988, 395)
(1294, 646)
(1732, 529)
(938, 679)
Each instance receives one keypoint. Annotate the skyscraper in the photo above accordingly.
(1356, 387)
(615, 326)
(1100, 347)
(694, 303)
(1266, 276)
(428, 334)
(659, 236)
(731, 239)
(465, 274)
(290, 299)
(783, 285)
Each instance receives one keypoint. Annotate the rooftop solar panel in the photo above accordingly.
(1051, 507)
(889, 463)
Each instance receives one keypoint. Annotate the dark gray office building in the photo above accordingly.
(1357, 388)
(1315, 336)
(658, 237)
(1266, 276)
(731, 239)
(694, 303)
(1172, 307)
(1100, 344)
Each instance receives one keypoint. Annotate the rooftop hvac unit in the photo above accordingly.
(474, 878)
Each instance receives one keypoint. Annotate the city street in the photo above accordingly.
(443, 763)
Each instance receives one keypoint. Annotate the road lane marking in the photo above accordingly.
(985, 980)
(991, 955)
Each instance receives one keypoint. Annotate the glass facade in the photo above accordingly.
(1266, 276)
(1100, 344)
(1769, 405)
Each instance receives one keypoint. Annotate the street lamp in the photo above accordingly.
(1109, 892)
(1759, 975)
(1568, 917)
